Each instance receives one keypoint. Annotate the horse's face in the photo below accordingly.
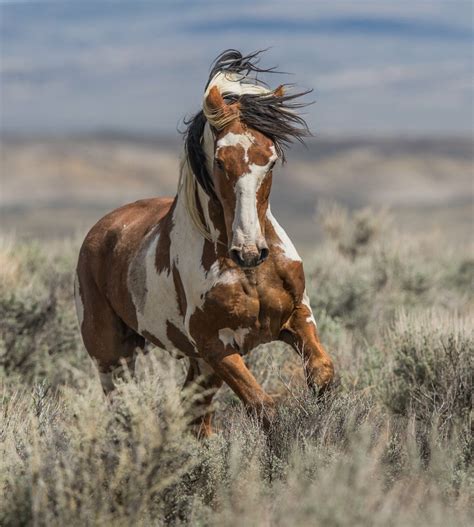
(243, 163)
(242, 175)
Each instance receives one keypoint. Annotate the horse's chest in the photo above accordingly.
(245, 313)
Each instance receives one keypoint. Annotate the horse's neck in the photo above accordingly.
(210, 213)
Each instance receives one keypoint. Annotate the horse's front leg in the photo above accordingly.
(301, 333)
(231, 368)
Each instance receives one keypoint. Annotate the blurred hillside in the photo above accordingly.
(57, 187)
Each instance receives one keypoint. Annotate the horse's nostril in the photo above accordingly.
(236, 255)
(264, 254)
(248, 258)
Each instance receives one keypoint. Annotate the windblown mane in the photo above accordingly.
(271, 112)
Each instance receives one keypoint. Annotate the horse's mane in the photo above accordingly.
(271, 112)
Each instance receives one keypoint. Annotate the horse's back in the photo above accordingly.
(129, 221)
(121, 230)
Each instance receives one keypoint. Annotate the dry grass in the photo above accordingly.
(391, 446)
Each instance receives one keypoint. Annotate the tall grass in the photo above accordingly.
(391, 445)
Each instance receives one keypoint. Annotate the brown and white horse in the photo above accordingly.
(211, 273)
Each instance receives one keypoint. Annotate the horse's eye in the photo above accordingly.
(220, 164)
(271, 166)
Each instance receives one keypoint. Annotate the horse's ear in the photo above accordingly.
(217, 112)
(214, 101)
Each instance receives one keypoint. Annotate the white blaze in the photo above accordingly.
(246, 227)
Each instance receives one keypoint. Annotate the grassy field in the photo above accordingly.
(391, 445)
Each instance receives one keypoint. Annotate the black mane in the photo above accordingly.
(232, 61)
(273, 115)
(195, 153)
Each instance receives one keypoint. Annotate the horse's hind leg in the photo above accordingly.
(203, 384)
(129, 346)
(106, 337)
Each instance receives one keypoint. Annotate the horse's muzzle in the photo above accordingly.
(249, 256)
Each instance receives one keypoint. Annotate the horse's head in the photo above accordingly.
(242, 177)
(232, 146)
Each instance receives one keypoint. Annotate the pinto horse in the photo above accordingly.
(210, 274)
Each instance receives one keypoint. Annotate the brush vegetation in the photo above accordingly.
(391, 444)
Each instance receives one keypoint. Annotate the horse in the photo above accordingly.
(209, 274)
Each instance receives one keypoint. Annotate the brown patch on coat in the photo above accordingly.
(208, 255)
(162, 259)
(154, 340)
(180, 294)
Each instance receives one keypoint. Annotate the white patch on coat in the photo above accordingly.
(310, 318)
(285, 244)
(159, 302)
(226, 336)
(78, 301)
(230, 337)
(228, 277)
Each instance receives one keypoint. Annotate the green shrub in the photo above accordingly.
(431, 366)
(39, 337)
